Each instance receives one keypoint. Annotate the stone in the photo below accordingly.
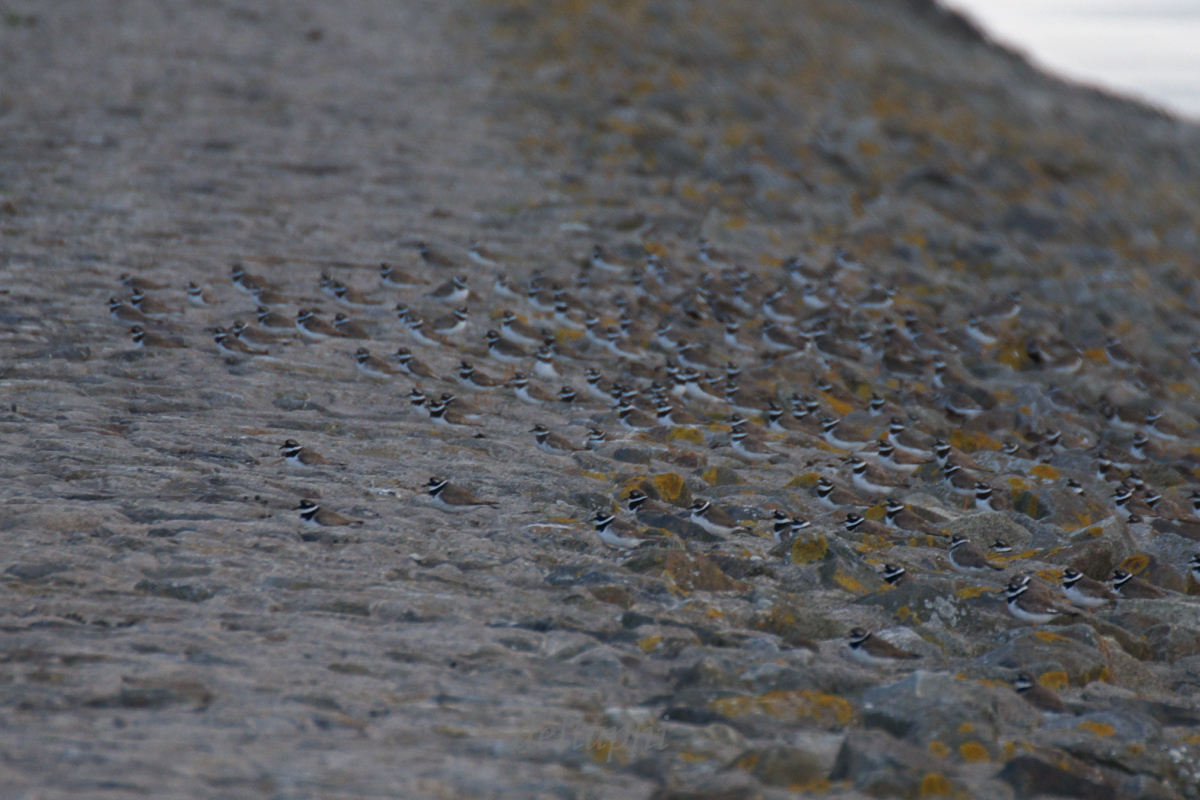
(940, 711)
(941, 602)
(782, 765)
(881, 765)
(160, 588)
(1072, 650)
(720, 476)
(36, 572)
(1031, 777)
(192, 593)
(730, 786)
(688, 571)
(1097, 550)
(1172, 642)
(633, 455)
(988, 526)
(792, 619)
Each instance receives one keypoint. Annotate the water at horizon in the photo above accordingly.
(1146, 49)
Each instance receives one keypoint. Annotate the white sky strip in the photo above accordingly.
(1145, 48)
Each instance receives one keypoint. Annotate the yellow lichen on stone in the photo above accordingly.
(1136, 564)
(935, 784)
(974, 752)
(805, 481)
(848, 583)
(939, 749)
(807, 549)
(605, 751)
(1045, 472)
(669, 486)
(875, 513)
(829, 710)
(1011, 355)
(840, 406)
(971, 592)
(1046, 636)
(1055, 679)
(747, 762)
(970, 442)
(687, 435)
(649, 643)
(712, 476)
(1098, 728)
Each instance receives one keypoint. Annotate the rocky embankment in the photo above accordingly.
(916, 322)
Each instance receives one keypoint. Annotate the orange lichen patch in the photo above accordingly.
(807, 549)
(974, 752)
(905, 614)
(1097, 354)
(1012, 355)
(935, 784)
(748, 762)
(616, 595)
(874, 544)
(687, 435)
(1045, 472)
(1136, 563)
(596, 476)
(1046, 636)
(1018, 485)
(1098, 728)
(970, 442)
(1027, 504)
(1051, 575)
(605, 751)
(939, 749)
(1055, 679)
(849, 584)
(875, 513)
(669, 485)
(805, 481)
(840, 406)
(695, 758)
(966, 727)
(712, 477)
(971, 592)
(649, 643)
(829, 710)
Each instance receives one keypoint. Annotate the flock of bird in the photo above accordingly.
(809, 366)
